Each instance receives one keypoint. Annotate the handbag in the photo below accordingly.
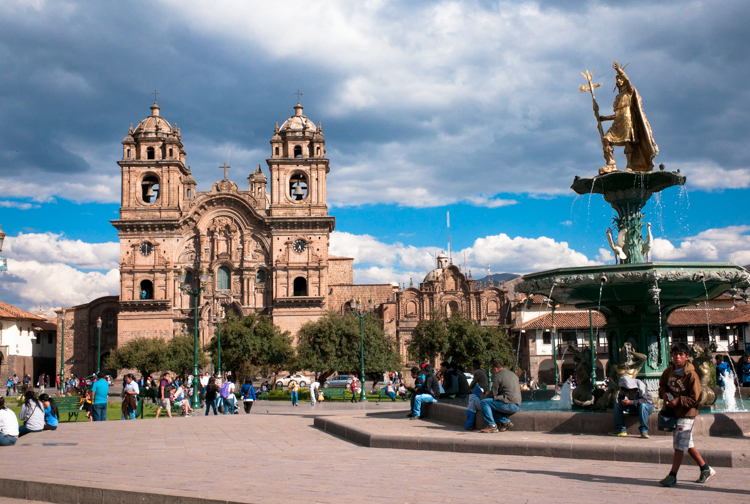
(667, 420)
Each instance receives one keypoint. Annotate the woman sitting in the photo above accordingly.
(180, 397)
(8, 425)
(32, 412)
(51, 414)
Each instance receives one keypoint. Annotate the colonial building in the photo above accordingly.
(260, 249)
(27, 343)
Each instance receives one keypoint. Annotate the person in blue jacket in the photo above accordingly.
(722, 370)
(746, 370)
(247, 394)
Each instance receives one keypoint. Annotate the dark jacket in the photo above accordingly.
(480, 378)
(505, 388)
(463, 385)
(450, 382)
(431, 385)
(212, 391)
(635, 391)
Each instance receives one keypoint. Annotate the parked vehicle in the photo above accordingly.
(340, 381)
(284, 382)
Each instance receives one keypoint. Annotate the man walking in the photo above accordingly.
(504, 398)
(99, 393)
(634, 399)
(680, 387)
(129, 397)
(165, 398)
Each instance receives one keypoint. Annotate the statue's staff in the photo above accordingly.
(590, 87)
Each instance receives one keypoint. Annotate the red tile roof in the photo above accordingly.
(739, 314)
(11, 312)
(565, 320)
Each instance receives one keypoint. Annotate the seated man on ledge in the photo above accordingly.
(634, 399)
(504, 398)
(429, 392)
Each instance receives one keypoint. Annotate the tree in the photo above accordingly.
(147, 355)
(252, 345)
(332, 343)
(181, 353)
(459, 339)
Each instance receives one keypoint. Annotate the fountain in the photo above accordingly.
(635, 296)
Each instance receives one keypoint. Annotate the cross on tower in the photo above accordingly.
(225, 167)
(298, 95)
(155, 94)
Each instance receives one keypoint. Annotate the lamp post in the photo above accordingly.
(357, 310)
(99, 346)
(62, 354)
(554, 344)
(194, 293)
(3, 260)
(219, 317)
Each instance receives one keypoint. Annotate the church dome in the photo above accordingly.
(298, 122)
(153, 124)
(433, 275)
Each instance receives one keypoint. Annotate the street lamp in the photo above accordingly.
(62, 354)
(3, 260)
(99, 346)
(357, 310)
(2, 238)
(194, 293)
(219, 316)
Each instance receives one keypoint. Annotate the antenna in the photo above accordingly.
(450, 252)
(465, 270)
(228, 153)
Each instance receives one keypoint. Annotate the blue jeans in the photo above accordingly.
(475, 404)
(210, 404)
(99, 412)
(642, 410)
(229, 405)
(23, 430)
(489, 406)
(294, 397)
(8, 440)
(131, 414)
(392, 395)
(418, 400)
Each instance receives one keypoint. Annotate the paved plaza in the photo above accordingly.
(276, 454)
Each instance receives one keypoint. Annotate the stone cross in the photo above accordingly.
(155, 94)
(298, 95)
(225, 167)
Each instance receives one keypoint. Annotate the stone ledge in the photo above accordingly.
(554, 449)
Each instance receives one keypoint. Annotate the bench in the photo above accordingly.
(330, 393)
(69, 405)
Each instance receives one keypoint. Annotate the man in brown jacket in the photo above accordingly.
(681, 388)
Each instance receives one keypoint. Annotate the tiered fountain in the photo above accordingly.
(635, 296)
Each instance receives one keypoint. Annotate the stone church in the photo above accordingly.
(261, 249)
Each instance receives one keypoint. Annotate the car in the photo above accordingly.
(284, 382)
(340, 381)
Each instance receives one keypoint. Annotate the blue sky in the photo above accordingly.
(469, 107)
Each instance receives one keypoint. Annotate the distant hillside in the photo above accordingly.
(498, 278)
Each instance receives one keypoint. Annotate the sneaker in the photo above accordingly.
(644, 435)
(668, 481)
(414, 417)
(489, 429)
(618, 433)
(470, 428)
(706, 475)
(505, 427)
(410, 415)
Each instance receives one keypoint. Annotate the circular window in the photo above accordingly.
(146, 248)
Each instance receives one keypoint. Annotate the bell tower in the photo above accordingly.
(153, 170)
(298, 167)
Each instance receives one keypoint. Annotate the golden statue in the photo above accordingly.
(630, 128)
(630, 365)
(583, 395)
(701, 360)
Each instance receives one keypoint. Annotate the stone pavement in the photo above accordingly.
(394, 430)
(275, 454)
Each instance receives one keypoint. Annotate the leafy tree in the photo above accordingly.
(252, 345)
(332, 343)
(459, 339)
(147, 355)
(180, 355)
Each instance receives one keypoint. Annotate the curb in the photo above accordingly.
(72, 494)
(641, 454)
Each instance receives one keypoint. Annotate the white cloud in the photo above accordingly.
(731, 243)
(54, 248)
(708, 175)
(17, 205)
(605, 256)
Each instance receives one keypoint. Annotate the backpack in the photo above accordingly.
(224, 390)
(435, 390)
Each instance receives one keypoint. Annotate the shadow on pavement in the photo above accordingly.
(619, 480)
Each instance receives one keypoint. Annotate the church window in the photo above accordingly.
(276, 151)
(452, 308)
(547, 337)
(298, 187)
(150, 189)
(297, 151)
(109, 320)
(150, 153)
(189, 278)
(411, 308)
(300, 286)
(222, 278)
(128, 152)
(317, 151)
(492, 307)
(170, 152)
(189, 192)
(260, 276)
(147, 290)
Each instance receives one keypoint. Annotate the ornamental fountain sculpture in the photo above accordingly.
(635, 296)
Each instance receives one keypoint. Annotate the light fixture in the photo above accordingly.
(99, 323)
(204, 276)
(371, 303)
(183, 275)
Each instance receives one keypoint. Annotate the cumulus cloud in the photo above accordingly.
(48, 270)
(423, 104)
(730, 243)
(17, 205)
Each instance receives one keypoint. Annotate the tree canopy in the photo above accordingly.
(252, 345)
(332, 343)
(147, 355)
(180, 355)
(459, 339)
